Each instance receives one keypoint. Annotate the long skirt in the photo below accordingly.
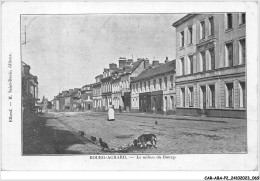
(111, 114)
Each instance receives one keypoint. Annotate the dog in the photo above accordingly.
(104, 145)
(135, 142)
(81, 133)
(93, 138)
(144, 138)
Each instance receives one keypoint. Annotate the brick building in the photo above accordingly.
(210, 55)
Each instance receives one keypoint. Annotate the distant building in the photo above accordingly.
(87, 97)
(29, 90)
(97, 95)
(211, 58)
(153, 90)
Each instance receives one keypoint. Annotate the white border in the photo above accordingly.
(11, 143)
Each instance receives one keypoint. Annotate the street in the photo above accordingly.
(56, 133)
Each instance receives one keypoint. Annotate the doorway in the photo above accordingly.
(203, 90)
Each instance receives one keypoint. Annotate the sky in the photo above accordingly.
(69, 51)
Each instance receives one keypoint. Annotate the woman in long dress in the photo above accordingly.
(111, 113)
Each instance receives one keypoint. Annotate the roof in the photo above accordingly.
(185, 18)
(134, 66)
(151, 72)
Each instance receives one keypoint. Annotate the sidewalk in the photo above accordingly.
(187, 118)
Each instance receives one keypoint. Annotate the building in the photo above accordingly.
(211, 58)
(106, 87)
(116, 93)
(153, 90)
(121, 83)
(97, 95)
(86, 97)
(29, 90)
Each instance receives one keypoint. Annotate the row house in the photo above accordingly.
(121, 90)
(29, 90)
(86, 98)
(106, 87)
(211, 58)
(97, 95)
(153, 90)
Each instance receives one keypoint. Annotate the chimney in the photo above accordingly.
(129, 61)
(26, 69)
(155, 63)
(122, 62)
(166, 60)
(112, 66)
(146, 63)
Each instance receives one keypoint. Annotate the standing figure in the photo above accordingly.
(111, 113)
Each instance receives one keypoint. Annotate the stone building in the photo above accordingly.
(154, 89)
(211, 58)
(29, 90)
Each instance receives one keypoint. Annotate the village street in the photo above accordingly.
(56, 133)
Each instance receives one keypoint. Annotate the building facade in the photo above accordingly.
(29, 90)
(211, 58)
(86, 98)
(153, 91)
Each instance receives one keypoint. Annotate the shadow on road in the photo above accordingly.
(44, 135)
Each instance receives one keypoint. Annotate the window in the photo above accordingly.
(141, 86)
(242, 94)
(203, 61)
(171, 80)
(242, 18)
(160, 84)
(137, 87)
(229, 54)
(154, 84)
(148, 85)
(229, 95)
(144, 86)
(182, 39)
(212, 59)
(191, 96)
(212, 96)
(182, 97)
(202, 30)
(191, 64)
(133, 88)
(242, 51)
(182, 66)
(190, 35)
(165, 83)
(229, 21)
(211, 26)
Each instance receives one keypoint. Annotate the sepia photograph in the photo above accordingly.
(133, 83)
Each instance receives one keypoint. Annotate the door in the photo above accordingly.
(88, 106)
(203, 89)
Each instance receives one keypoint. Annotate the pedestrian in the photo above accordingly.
(120, 109)
(111, 112)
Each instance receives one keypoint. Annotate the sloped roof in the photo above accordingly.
(183, 19)
(151, 72)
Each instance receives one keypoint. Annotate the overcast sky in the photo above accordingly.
(68, 51)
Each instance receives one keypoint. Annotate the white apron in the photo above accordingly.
(111, 114)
